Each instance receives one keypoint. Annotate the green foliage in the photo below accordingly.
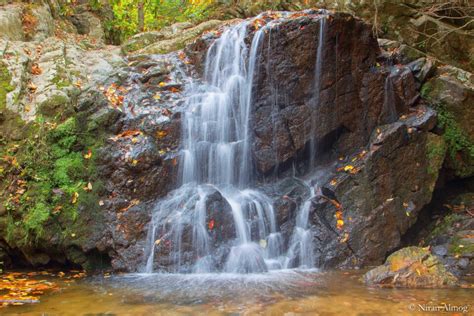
(158, 13)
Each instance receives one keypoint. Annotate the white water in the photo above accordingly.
(216, 157)
(317, 90)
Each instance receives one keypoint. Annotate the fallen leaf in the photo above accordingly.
(348, 168)
(32, 87)
(88, 155)
(211, 224)
(263, 243)
(345, 238)
(75, 196)
(340, 224)
(57, 209)
(161, 134)
(36, 70)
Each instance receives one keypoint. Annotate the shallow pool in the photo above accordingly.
(287, 292)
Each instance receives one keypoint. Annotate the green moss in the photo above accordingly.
(5, 86)
(36, 218)
(426, 90)
(454, 136)
(461, 247)
(51, 106)
(435, 151)
(52, 172)
(60, 79)
(443, 227)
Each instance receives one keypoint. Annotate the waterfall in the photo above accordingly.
(389, 109)
(216, 175)
(317, 90)
(300, 251)
(216, 157)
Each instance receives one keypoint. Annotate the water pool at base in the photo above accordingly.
(283, 292)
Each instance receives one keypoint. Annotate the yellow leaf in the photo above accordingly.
(340, 224)
(157, 242)
(263, 243)
(162, 84)
(88, 155)
(161, 134)
(134, 162)
(75, 196)
(348, 168)
(73, 235)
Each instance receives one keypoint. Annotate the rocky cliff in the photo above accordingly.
(91, 137)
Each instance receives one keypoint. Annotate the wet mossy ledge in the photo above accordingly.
(50, 185)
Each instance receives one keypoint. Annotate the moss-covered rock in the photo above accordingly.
(51, 186)
(5, 85)
(436, 152)
(412, 267)
(452, 91)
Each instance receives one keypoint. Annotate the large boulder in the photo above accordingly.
(411, 267)
(452, 90)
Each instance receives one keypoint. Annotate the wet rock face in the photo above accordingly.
(366, 112)
(353, 90)
(368, 116)
(379, 199)
(286, 83)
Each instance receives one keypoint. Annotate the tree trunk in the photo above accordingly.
(141, 16)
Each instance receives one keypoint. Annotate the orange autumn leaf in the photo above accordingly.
(211, 224)
(161, 134)
(36, 70)
(88, 155)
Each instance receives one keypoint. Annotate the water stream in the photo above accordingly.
(217, 168)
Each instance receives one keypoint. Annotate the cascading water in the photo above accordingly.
(216, 166)
(317, 90)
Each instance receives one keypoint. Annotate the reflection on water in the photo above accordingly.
(280, 292)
